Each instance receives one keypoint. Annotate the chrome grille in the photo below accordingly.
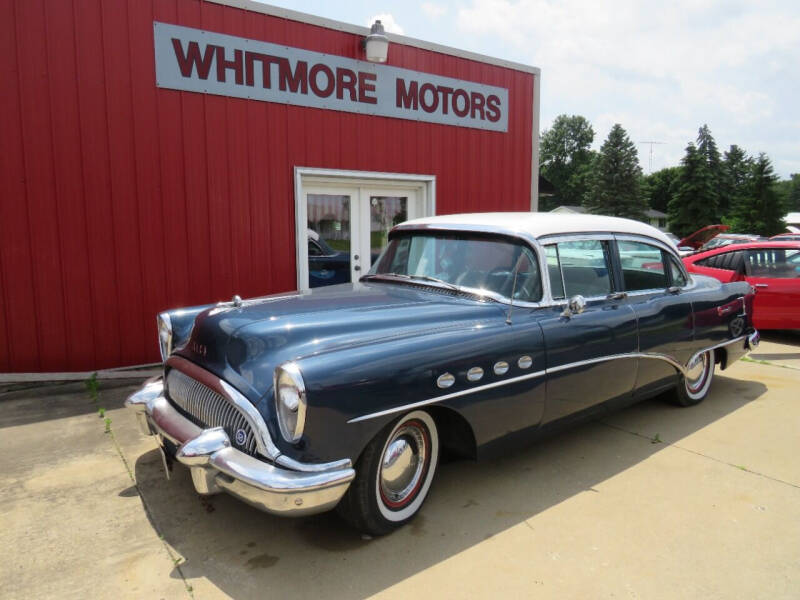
(207, 408)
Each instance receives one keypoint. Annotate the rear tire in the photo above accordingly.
(393, 475)
(693, 388)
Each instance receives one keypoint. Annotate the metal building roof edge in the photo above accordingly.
(293, 15)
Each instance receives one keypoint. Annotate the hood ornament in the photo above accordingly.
(237, 300)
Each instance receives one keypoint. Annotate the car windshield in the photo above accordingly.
(492, 264)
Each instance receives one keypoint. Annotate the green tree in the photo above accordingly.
(737, 170)
(761, 210)
(615, 178)
(566, 159)
(693, 204)
(707, 148)
(658, 187)
(793, 199)
(789, 192)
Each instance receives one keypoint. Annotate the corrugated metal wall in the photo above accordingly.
(120, 199)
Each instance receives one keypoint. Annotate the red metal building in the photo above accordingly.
(158, 154)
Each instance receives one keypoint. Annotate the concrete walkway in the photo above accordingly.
(653, 502)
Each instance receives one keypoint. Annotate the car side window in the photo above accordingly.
(676, 272)
(780, 263)
(584, 268)
(643, 266)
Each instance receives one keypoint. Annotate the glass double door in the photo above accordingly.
(347, 228)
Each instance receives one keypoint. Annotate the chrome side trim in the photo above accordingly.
(443, 397)
(600, 359)
(651, 355)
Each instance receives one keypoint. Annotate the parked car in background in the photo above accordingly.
(326, 266)
(682, 250)
(470, 335)
(727, 239)
(702, 236)
(772, 267)
(786, 237)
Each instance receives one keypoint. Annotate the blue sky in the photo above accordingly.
(660, 69)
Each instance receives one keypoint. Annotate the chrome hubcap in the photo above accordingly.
(695, 374)
(403, 464)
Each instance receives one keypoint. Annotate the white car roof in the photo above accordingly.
(538, 224)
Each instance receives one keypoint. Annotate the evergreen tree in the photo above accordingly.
(737, 169)
(692, 205)
(792, 201)
(616, 174)
(658, 187)
(565, 159)
(707, 147)
(761, 210)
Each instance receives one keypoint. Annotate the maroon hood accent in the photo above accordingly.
(701, 236)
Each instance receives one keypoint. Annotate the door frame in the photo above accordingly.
(424, 185)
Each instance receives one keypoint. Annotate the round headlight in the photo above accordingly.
(164, 335)
(290, 401)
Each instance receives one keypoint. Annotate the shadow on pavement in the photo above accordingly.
(249, 554)
(58, 401)
(781, 336)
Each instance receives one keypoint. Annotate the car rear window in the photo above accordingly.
(643, 266)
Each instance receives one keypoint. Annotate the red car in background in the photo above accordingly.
(772, 268)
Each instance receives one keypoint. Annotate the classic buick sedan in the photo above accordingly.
(470, 335)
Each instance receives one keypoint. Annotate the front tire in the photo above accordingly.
(393, 475)
(693, 387)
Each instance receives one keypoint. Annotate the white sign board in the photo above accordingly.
(213, 63)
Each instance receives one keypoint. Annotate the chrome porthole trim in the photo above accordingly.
(445, 380)
(525, 362)
(500, 367)
(681, 368)
(474, 374)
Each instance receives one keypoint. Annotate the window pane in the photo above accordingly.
(642, 266)
(584, 265)
(678, 278)
(781, 263)
(328, 239)
(384, 213)
(554, 271)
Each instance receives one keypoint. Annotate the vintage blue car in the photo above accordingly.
(470, 334)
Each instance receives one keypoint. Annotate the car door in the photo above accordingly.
(775, 273)
(588, 355)
(654, 285)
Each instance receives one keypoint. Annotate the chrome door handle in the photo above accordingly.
(762, 285)
(674, 289)
(617, 296)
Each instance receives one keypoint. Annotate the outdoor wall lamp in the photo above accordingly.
(376, 43)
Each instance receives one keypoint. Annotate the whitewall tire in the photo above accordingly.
(393, 475)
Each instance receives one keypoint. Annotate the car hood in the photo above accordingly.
(702, 236)
(244, 344)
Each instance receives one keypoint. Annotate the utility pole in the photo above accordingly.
(650, 162)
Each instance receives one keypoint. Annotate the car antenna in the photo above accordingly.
(514, 287)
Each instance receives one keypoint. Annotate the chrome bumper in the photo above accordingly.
(217, 467)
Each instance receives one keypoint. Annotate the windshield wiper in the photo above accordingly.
(452, 286)
(379, 275)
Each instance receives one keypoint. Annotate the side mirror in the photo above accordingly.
(575, 306)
